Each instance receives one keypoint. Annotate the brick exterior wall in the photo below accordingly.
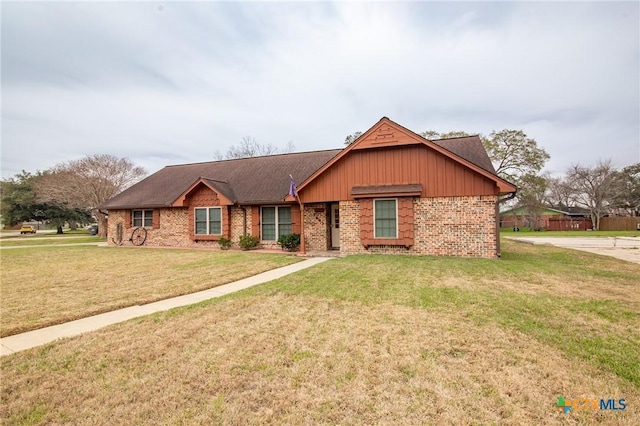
(237, 224)
(443, 226)
(173, 230)
(316, 227)
(175, 225)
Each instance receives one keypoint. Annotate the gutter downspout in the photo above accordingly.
(511, 196)
(244, 220)
(302, 247)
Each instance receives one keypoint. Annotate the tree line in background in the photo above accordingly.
(600, 189)
(70, 192)
(250, 147)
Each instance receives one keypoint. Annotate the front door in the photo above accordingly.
(335, 226)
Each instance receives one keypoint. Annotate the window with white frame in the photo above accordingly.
(142, 218)
(208, 220)
(275, 222)
(385, 218)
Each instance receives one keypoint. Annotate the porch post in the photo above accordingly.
(302, 248)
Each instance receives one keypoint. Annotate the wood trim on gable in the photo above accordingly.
(388, 134)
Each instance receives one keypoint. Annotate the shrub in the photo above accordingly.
(225, 243)
(289, 242)
(248, 242)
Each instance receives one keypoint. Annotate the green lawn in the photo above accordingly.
(565, 299)
(43, 286)
(359, 340)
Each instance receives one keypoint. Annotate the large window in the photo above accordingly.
(208, 220)
(276, 221)
(385, 216)
(142, 218)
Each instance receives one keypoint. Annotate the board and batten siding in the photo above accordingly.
(440, 176)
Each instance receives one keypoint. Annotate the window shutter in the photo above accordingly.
(295, 219)
(127, 219)
(366, 221)
(255, 221)
(156, 219)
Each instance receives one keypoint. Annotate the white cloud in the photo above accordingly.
(171, 84)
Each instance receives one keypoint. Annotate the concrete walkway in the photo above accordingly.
(30, 339)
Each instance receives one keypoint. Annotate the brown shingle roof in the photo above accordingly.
(260, 180)
(246, 181)
(470, 148)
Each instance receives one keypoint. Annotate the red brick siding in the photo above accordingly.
(316, 227)
(442, 226)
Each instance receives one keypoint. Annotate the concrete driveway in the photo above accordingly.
(625, 248)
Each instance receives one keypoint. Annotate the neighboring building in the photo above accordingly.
(551, 218)
(390, 191)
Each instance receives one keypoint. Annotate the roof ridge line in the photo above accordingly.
(249, 158)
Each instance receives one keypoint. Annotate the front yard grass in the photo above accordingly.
(360, 340)
(44, 286)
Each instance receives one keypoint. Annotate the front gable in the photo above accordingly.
(389, 154)
(207, 194)
(205, 189)
(385, 134)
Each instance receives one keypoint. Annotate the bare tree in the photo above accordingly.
(430, 134)
(595, 188)
(249, 147)
(560, 193)
(433, 135)
(352, 138)
(88, 182)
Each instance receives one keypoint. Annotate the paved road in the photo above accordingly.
(4, 234)
(625, 248)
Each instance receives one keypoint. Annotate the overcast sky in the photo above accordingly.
(172, 82)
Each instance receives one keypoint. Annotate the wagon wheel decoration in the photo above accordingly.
(138, 236)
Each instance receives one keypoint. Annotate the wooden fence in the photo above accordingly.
(569, 224)
(629, 223)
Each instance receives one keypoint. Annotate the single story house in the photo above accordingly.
(390, 191)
